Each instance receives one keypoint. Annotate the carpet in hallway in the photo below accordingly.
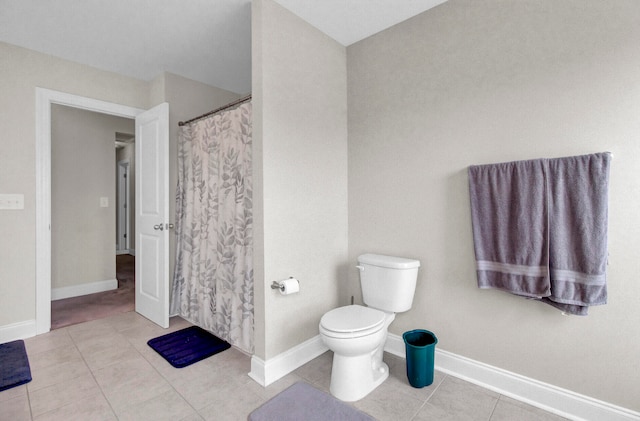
(70, 311)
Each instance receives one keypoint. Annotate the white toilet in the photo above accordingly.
(357, 334)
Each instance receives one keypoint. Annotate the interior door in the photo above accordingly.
(152, 214)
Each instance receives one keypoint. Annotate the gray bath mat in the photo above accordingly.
(304, 402)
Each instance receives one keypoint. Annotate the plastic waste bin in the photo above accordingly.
(420, 347)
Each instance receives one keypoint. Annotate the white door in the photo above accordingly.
(152, 214)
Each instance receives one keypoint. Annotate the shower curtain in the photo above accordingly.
(213, 277)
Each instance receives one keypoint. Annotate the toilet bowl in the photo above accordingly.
(356, 335)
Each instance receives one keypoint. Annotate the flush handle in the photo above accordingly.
(360, 267)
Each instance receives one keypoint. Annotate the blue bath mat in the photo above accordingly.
(187, 346)
(14, 365)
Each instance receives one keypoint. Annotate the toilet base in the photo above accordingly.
(354, 377)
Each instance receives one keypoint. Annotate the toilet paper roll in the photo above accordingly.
(289, 286)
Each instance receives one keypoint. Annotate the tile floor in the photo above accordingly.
(103, 370)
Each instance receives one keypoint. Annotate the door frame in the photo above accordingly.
(44, 99)
(123, 213)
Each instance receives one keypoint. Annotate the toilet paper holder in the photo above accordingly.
(279, 285)
(276, 285)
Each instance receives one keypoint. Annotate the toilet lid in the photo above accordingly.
(352, 318)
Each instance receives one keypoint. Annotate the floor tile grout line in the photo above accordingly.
(93, 376)
(154, 368)
(56, 409)
(73, 342)
(493, 410)
(26, 387)
(29, 402)
(430, 394)
(415, 414)
(426, 401)
(169, 382)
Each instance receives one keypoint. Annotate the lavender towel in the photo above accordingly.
(578, 205)
(510, 231)
(540, 229)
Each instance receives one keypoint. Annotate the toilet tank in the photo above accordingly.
(388, 283)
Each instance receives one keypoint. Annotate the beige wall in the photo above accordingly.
(300, 174)
(83, 171)
(465, 83)
(481, 82)
(187, 99)
(21, 71)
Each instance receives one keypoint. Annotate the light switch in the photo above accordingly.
(12, 201)
(104, 202)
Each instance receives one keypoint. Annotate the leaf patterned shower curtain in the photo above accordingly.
(213, 278)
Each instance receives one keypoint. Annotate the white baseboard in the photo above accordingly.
(126, 251)
(83, 289)
(267, 372)
(20, 330)
(553, 399)
(559, 401)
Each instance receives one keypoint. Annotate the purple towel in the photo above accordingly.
(578, 205)
(509, 214)
(540, 229)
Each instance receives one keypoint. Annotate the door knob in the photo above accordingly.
(158, 227)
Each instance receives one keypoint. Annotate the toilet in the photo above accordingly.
(357, 334)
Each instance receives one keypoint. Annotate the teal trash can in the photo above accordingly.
(420, 347)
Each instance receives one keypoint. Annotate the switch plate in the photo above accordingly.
(104, 202)
(12, 201)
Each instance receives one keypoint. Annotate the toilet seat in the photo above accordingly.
(352, 321)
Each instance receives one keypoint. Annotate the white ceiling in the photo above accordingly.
(204, 40)
(349, 21)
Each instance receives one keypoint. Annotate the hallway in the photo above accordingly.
(71, 311)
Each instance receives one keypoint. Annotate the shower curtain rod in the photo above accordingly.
(217, 110)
